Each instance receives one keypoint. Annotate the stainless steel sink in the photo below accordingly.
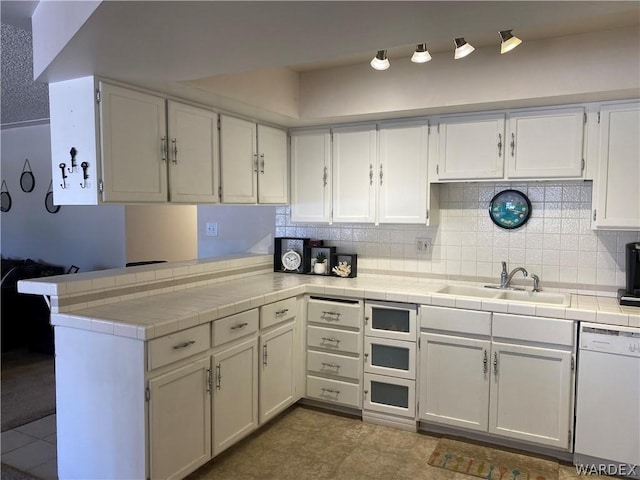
(540, 298)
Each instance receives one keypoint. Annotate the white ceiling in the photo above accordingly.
(182, 40)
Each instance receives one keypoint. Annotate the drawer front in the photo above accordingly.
(390, 357)
(334, 340)
(534, 329)
(389, 395)
(179, 345)
(334, 365)
(334, 313)
(390, 320)
(236, 326)
(455, 320)
(278, 312)
(333, 391)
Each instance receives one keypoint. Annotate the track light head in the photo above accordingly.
(380, 61)
(508, 41)
(462, 48)
(421, 55)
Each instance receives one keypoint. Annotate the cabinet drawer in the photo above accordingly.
(179, 345)
(334, 340)
(455, 320)
(334, 313)
(334, 365)
(278, 312)
(534, 329)
(333, 391)
(235, 326)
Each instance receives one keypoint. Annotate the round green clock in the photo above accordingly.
(510, 209)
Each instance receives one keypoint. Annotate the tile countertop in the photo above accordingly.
(164, 313)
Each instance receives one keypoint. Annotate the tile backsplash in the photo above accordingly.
(557, 242)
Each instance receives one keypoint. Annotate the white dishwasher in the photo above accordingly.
(607, 435)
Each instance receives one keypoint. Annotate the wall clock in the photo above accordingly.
(510, 209)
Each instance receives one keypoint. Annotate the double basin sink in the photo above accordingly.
(540, 298)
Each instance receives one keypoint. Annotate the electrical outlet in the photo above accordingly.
(211, 229)
(423, 246)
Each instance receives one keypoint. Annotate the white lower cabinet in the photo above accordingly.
(513, 377)
(180, 421)
(235, 393)
(277, 370)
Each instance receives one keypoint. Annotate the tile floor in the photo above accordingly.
(301, 444)
(32, 448)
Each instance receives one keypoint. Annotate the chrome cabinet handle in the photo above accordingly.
(184, 344)
(218, 376)
(163, 148)
(381, 174)
(262, 163)
(366, 320)
(513, 144)
(265, 354)
(495, 363)
(175, 151)
(282, 312)
(209, 381)
(366, 355)
(240, 325)
(255, 163)
(499, 144)
(329, 390)
(325, 175)
(370, 174)
(330, 339)
(330, 365)
(485, 361)
(335, 314)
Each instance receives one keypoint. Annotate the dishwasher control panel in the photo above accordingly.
(610, 339)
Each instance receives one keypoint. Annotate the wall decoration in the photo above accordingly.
(5, 198)
(48, 200)
(510, 209)
(27, 180)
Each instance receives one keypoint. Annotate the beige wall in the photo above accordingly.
(161, 232)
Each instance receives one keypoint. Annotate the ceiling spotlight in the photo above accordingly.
(462, 48)
(421, 55)
(509, 42)
(380, 61)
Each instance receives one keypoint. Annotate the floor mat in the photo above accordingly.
(490, 463)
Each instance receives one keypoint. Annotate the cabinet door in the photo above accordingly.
(354, 174)
(193, 154)
(180, 421)
(546, 144)
(238, 160)
(134, 156)
(277, 372)
(471, 147)
(235, 396)
(617, 197)
(402, 174)
(531, 394)
(454, 381)
(311, 176)
(273, 171)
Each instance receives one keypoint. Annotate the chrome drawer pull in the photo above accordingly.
(329, 390)
(484, 362)
(240, 325)
(330, 365)
(330, 339)
(336, 314)
(282, 312)
(218, 376)
(184, 345)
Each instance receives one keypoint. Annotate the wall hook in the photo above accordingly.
(85, 174)
(64, 175)
(73, 152)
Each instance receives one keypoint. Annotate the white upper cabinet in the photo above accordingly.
(402, 173)
(616, 192)
(471, 147)
(194, 167)
(546, 144)
(310, 176)
(355, 174)
(253, 162)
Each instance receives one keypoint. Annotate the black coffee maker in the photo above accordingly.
(631, 294)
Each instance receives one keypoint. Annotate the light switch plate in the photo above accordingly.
(423, 246)
(211, 229)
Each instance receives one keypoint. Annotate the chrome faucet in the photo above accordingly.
(505, 278)
(536, 282)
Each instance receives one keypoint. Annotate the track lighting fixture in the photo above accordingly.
(421, 55)
(380, 61)
(462, 48)
(509, 41)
